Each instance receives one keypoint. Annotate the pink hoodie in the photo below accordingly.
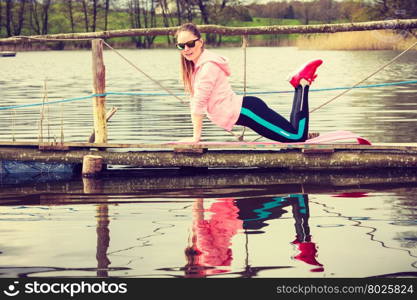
(213, 94)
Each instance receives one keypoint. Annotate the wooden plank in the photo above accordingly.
(317, 151)
(53, 147)
(190, 150)
(237, 146)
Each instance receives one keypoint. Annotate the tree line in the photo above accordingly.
(37, 17)
(329, 11)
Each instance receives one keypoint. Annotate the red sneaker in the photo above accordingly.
(306, 72)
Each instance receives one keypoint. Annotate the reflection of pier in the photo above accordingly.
(92, 186)
(103, 240)
(139, 184)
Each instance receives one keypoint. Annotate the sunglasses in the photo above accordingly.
(190, 44)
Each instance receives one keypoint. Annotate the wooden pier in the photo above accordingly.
(221, 155)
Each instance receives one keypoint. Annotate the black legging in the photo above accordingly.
(256, 115)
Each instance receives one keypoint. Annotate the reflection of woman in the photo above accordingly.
(255, 213)
(205, 75)
(211, 238)
(308, 250)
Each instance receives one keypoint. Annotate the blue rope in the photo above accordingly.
(47, 103)
(182, 94)
(337, 88)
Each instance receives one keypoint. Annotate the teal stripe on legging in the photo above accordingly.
(272, 127)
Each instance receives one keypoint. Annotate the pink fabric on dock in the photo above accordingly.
(336, 136)
(325, 138)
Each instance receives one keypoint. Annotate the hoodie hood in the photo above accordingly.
(208, 56)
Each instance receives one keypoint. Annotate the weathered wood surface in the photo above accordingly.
(403, 24)
(220, 145)
(99, 87)
(92, 165)
(296, 160)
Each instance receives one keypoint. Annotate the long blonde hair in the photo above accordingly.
(187, 66)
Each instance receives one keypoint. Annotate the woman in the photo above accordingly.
(204, 75)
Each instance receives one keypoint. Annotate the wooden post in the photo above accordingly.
(92, 165)
(109, 114)
(99, 87)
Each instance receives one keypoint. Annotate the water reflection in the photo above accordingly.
(209, 251)
(103, 240)
(95, 186)
(253, 225)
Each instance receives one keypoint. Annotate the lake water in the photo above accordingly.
(216, 223)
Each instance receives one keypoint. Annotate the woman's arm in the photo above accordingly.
(197, 121)
(203, 87)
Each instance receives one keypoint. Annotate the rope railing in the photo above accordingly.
(143, 73)
(157, 94)
(399, 24)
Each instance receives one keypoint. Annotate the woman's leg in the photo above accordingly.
(300, 110)
(256, 115)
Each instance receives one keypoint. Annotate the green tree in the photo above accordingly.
(326, 10)
(355, 10)
(142, 15)
(15, 16)
(396, 8)
(289, 14)
(1, 17)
